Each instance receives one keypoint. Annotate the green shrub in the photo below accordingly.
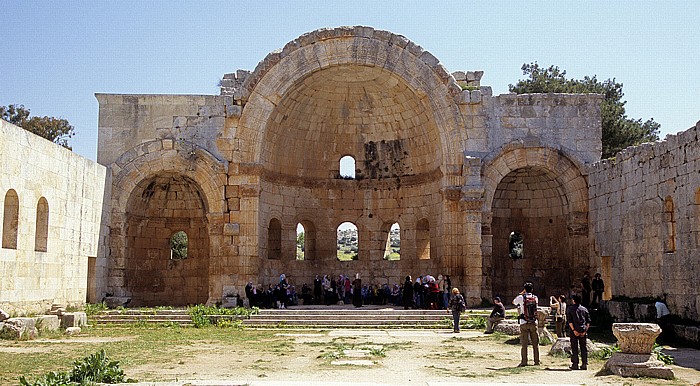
(475, 322)
(660, 355)
(201, 314)
(87, 371)
(604, 353)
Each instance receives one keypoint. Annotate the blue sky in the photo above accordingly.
(57, 54)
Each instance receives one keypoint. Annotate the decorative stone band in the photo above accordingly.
(636, 338)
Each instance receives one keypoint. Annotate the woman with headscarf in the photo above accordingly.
(357, 291)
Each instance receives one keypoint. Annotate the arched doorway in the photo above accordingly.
(530, 237)
(160, 209)
(538, 210)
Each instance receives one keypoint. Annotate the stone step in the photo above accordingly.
(372, 323)
(145, 318)
(319, 317)
(292, 311)
(335, 317)
(183, 323)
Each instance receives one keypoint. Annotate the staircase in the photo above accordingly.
(136, 316)
(336, 317)
(319, 317)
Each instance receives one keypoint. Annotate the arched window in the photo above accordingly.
(178, 245)
(392, 247)
(669, 226)
(274, 239)
(347, 167)
(423, 239)
(301, 236)
(41, 237)
(515, 245)
(10, 220)
(348, 241)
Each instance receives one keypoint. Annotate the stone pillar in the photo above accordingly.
(471, 258)
(636, 341)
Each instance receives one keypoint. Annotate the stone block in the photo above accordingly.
(508, 327)
(72, 331)
(4, 315)
(19, 328)
(562, 347)
(232, 229)
(636, 338)
(48, 322)
(74, 319)
(638, 365)
(116, 301)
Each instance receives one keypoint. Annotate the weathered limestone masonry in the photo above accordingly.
(645, 206)
(50, 202)
(458, 170)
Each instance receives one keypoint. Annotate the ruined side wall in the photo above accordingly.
(570, 122)
(73, 187)
(127, 121)
(645, 212)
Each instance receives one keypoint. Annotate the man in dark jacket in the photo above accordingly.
(579, 322)
(498, 314)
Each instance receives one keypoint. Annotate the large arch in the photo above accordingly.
(359, 54)
(364, 93)
(541, 194)
(158, 189)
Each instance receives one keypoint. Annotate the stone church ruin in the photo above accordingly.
(459, 170)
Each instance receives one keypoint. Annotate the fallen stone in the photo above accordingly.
(74, 319)
(4, 315)
(71, 331)
(19, 328)
(562, 347)
(508, 327)
(356, 353)
(353, 362)
(638, 365)
(116, 301)
(48, 322)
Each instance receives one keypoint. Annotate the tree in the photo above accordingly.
(619, 131)
(55, 130)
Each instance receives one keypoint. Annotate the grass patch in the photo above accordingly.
(132, 346)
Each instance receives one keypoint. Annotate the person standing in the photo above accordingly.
(579, 321)
(318, 291)
(559, 307)
(357, 291)
(457, 306)
(526, 302)
(586, 290)
(407, 293)
(498, 314)
(598, 287)
(441, 295)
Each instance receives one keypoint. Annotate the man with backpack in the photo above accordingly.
(527, 311)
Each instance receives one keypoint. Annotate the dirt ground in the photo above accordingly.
(391, 357)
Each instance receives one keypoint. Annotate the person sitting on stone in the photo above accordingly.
(497, 315)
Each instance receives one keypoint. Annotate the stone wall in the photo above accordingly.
(51, 204)
(645, 206)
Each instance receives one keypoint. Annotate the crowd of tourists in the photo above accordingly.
(426, 292)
